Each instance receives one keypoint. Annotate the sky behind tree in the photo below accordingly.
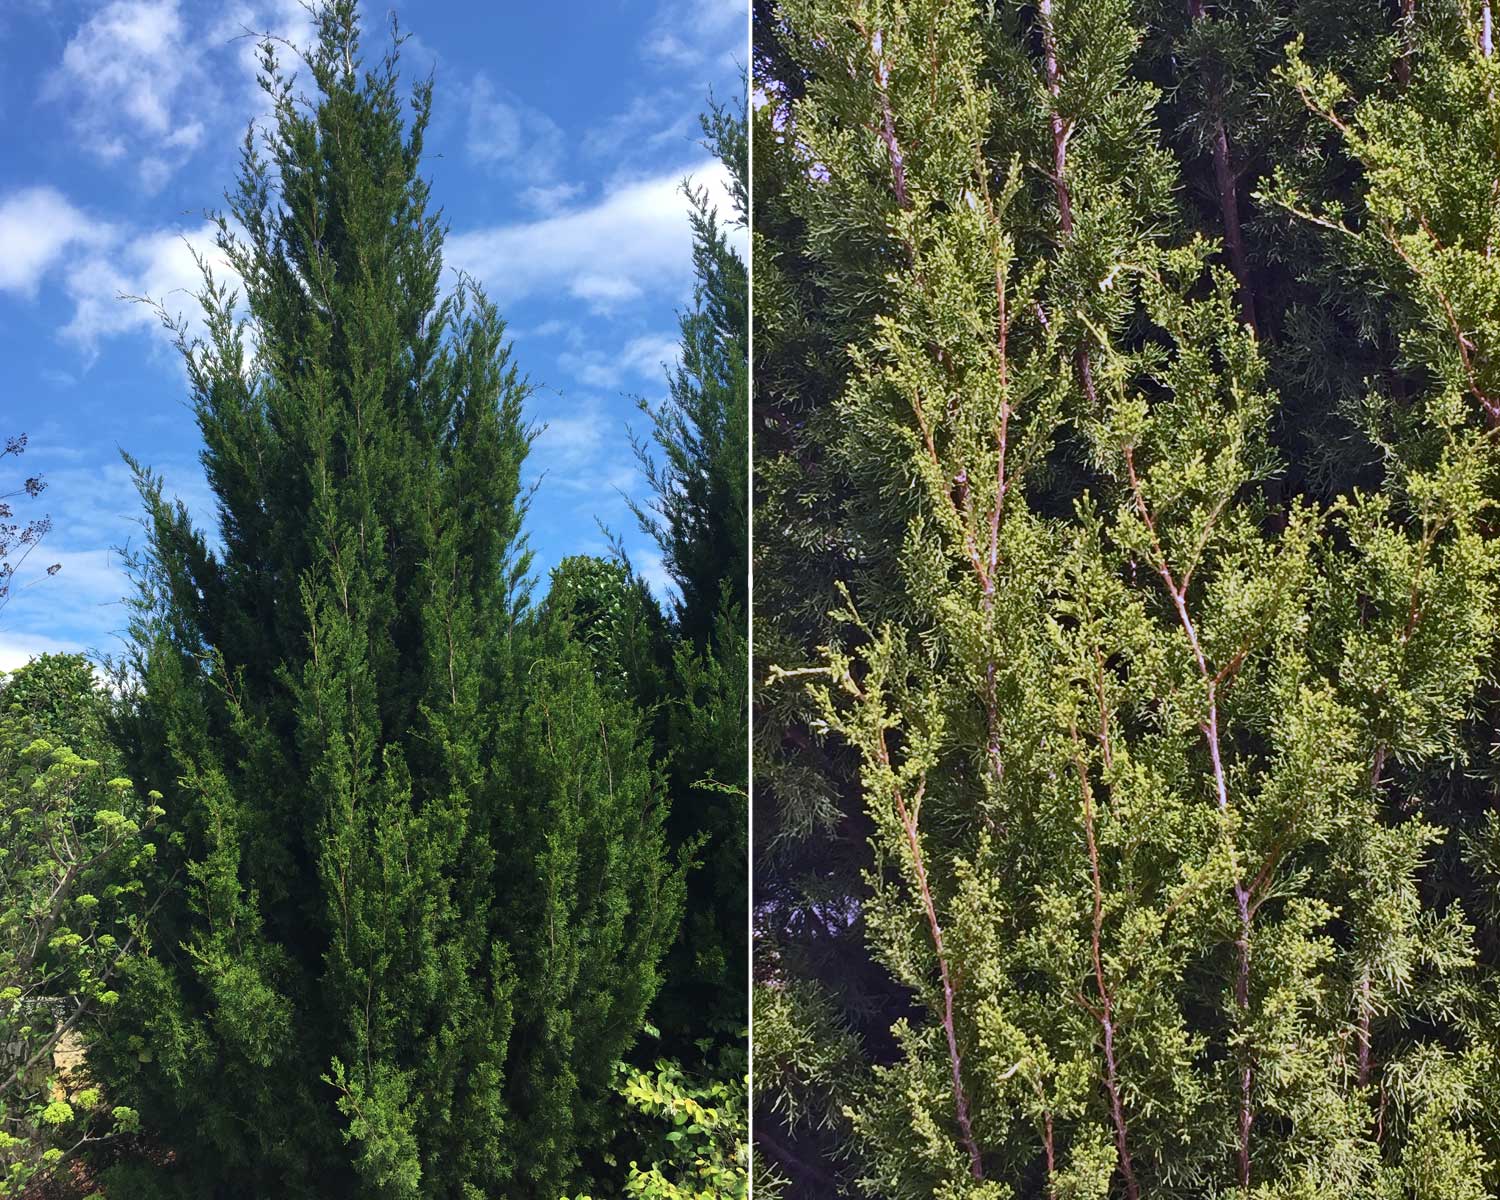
(560, 136)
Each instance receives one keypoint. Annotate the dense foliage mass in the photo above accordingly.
(1127, 580)
(688, 667)
(77, 845)
(697, 465)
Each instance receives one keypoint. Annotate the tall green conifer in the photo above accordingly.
(423, 890)
(696, 466)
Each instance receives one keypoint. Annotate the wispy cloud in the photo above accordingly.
(145, 84)
(95, 513)
(686, 34)
(634, 240)
(580, 450)
(507, 134)
(43, 236)
(649, 123)
(644, 357)
(38, 228)
(159, 265)
(124, 73)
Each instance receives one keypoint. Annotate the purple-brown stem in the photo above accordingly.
(1242, 1002)
(1047, 1144)
(1210, 730)
(1105, 1012)
(1229, 203)
(908, 819)
(1061, 132)
(1408, 24)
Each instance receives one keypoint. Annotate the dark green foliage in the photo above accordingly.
(423, 883)
(611, 612)
(698, 514)
(696, 466)
(1106, 757)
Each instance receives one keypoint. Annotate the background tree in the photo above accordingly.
(18, 540)
(76, 846)
(426, 888)
(1417, 235)
(696, 465)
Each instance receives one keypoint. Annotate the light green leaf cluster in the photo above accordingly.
(699, 1135)
(76, 844)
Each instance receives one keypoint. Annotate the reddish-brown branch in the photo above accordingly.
(1408, 23)
(1362, 1072)
(1229, 209)
(965, 517)
(888, 125)
(1050, 1148)
(1229, 203)
(1210, 730)
(1242, 1001)
(1104, 1014)
(1489, 405)
(907, 816)
(1061, 130)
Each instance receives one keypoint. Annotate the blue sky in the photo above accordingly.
(560, 134)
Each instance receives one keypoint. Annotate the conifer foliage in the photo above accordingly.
(425, 889)
(697, 467)
(1135, 736)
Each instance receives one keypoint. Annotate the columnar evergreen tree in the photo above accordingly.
(696, 465)
(425, 888)
(1134, 742)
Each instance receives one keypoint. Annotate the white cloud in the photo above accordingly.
(691, 33)
(18, 649)
(124, 74)
(95, 511)
(637, 131)
(543, 199)
(42, 234)
(642, 357)
(38, 227)
(650, 567)
(147, 83)
(581, 450)
(505, 133)
(636, 239)
(651, 354)
(129, 56)
(158, 266)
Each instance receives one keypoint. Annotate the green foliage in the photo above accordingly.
(696, 465)
(424, 879)
(696, 1145)
(698, 516)
(1134, 733)
(76, 850)
(611, 612)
